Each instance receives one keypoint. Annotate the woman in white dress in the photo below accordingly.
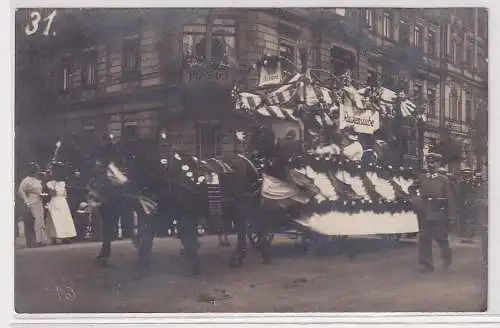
(60, 223)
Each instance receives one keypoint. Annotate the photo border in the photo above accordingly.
(490, 318)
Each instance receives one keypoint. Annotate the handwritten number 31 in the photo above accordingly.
(35, 16)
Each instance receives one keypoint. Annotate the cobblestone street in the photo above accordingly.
(382, 278)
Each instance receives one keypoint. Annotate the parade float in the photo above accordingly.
(357, 186)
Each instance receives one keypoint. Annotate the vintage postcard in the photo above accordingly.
(251, 160)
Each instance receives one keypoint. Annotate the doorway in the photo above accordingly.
(208, 139)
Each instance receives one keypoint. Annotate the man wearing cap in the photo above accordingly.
(436, 209)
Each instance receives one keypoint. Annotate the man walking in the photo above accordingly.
(438, 207)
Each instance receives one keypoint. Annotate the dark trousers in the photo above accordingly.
(188, 231)
(467, 222)
(433, 230)
(29, 227)
(109, 212)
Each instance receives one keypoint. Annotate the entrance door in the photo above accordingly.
(207, 140)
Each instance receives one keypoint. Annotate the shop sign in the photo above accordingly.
(202, 75)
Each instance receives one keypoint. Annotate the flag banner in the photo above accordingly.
(388, 100)
(364, 121)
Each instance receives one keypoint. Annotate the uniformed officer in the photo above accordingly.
(436, 210)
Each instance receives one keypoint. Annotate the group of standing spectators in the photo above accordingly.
(43, 205)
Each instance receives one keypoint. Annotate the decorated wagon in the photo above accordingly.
(336, 165)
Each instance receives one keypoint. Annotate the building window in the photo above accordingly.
(468, 108)
(469, 55)
(287, 53)
(368, 16)
(483, 24)
(222, 43)
(404, 31)
(341, 60)
(193, 46)
(65, 77)
(419, 37)
(431, 44)
(131, 58)
(89, 68)
(453, 51)
(387, 26)
(431, 97)
(456, 106)
(459, 52)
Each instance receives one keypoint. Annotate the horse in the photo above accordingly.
(109, 189)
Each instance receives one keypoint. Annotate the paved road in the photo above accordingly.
(63, 279)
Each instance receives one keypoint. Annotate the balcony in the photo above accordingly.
(458, 127)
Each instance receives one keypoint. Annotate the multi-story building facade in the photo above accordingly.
(133, 73)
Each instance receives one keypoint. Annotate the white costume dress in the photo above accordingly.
(60, 223)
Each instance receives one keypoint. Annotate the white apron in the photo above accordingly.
(60, 222)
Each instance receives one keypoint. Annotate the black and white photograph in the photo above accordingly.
(250, 160)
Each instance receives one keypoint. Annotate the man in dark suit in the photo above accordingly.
(436, 208)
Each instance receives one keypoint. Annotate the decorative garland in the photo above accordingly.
(356, 206)
(327, 162)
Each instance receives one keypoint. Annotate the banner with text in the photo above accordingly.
(364, 121)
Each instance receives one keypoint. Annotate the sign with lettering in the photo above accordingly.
(364, 121)
(200, 75)
(270, 73)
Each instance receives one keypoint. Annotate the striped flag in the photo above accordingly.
(313, 95)
(277, 112)
(250, 100)
(282, 95)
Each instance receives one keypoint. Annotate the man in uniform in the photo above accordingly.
(436, 210)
